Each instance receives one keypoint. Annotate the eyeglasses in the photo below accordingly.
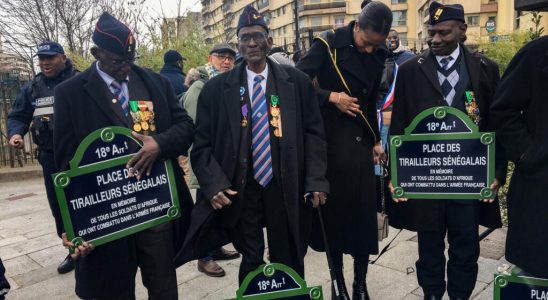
(121, 62)
(258, 37)
(223, 58)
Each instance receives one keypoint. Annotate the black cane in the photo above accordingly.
(487, 232)
(328, 254)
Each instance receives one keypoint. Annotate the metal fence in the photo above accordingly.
(9, 157)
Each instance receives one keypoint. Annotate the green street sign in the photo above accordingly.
(98, 199)
(510, 285)
(442, 155)
(276, 281)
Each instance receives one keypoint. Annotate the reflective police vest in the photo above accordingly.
(42, 119)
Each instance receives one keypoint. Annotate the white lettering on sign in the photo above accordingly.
(539, 295)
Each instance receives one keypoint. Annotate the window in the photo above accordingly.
(399, 18)
(316, 21)
(399, 1)
(338, 21)
(473, 20)
(403, 38)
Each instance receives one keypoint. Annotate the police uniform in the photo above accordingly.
(34, 105)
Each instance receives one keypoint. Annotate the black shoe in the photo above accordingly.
(359, 287)
(457, 298)
(432, 297)
(66, 265)
(223, 254)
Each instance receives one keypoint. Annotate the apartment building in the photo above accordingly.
(487, 19)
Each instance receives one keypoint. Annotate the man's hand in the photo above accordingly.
(80, 251)
(317, 198)
(345, 103)
(391, 188)
(379, 156)
(17, 142)
(221, 200)
(495, 187)
(141, 163)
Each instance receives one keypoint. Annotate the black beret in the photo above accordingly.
(440, 13)
(249, 17)
(113, 35)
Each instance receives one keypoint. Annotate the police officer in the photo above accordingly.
(34, 104)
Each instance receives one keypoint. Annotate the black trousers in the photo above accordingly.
(48, 167)
(4, 284)
(264, 207)
(109, 271)
(461, 227)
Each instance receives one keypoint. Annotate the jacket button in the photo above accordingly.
(244, 160)
(364, 91)
(358, 139)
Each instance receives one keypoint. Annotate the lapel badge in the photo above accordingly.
(242, 91)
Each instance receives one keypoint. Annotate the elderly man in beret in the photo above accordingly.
(447, 74)
(98, 98)
(259, 149)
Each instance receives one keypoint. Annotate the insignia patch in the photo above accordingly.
(438, 13)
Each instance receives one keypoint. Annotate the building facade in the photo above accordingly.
(487, 19)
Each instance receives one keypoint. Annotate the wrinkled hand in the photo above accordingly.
(345, 103)
(379, 156)
(141, 163)
(317, 198)
(391, 188)
(495, 187)
(221, 200)
(80, 251)
(17, 142)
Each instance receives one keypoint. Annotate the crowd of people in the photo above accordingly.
(264, 141)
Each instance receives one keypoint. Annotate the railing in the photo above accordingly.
(322, 5)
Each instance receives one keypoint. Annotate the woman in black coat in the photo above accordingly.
(348, 64)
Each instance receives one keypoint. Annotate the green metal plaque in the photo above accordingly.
(98, 199)
(276, 281)
(511, 285)
(442, 155)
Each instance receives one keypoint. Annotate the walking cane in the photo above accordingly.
(329, 259)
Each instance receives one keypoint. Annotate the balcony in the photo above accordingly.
(317, 28)
(322, 8)
(262, 4)
(489, 8)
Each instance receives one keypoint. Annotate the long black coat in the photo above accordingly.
(302, 148)
(350, 212)
(520, 111)
(83, 105)
(418, 89)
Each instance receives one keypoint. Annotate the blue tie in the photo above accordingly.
(117, 86)
(260, 133)
(445, 62)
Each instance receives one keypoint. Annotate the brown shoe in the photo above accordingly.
(223, 254)
(210, 268)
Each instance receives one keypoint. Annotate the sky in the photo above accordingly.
(169, 7)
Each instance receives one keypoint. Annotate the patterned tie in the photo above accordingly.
(445, 62)
(262, 159)
(117, 86)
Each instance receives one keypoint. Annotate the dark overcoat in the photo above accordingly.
(215, 154)
(519, 112)
(82, 105)
(350, 212)
(418, 89)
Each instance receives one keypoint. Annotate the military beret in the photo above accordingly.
(441, 13)
(113, 35)
(249, 17)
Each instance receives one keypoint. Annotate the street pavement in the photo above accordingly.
(31, 252)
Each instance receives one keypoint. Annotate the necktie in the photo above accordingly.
(117, 87)
(262, 159)
(445, 62)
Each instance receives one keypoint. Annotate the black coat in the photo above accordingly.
(520, 113)
(83, 105)
(302, 147)
(350, 212)
(418, 89)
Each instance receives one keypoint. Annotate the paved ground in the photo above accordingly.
(31, 251)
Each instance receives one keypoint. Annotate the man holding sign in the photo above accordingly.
(447, 74)
(101, 97)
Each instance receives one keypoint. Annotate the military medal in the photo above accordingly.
(142, 115)
(137, 127)
(275, 113)
(244, 114)
(472, 108)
